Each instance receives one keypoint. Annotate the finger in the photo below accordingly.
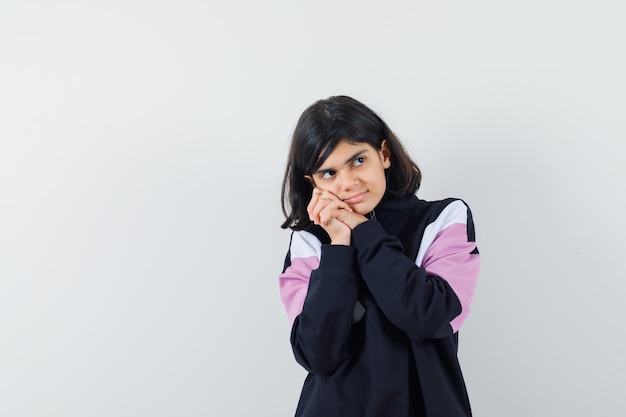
(324, 200)
(351, 219)
(335, 209)
(319, 200)
(315, 195)
(333, 197)
(320, 205)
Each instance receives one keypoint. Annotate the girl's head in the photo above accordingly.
(342, 146)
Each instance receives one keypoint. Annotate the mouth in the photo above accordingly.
(357, 198)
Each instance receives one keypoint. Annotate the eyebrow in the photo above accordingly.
(352, 158)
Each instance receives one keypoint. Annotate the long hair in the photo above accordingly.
(320, 128)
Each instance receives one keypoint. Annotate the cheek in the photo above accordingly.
(326, 187)
(378, 177)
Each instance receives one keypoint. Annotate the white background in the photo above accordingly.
(142, 147)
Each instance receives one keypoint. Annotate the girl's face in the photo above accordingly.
(355, 173)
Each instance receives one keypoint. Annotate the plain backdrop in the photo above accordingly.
(142, 148)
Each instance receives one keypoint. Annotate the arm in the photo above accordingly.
(429, 301)
(319, 288)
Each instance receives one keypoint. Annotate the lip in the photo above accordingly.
(357, 198)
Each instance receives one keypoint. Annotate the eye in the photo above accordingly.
(327, 175)
(358, 161)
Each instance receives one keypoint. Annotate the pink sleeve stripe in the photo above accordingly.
(450, 257)
(294, 284)
(455, 212)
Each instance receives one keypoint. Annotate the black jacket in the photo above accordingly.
(374, 331)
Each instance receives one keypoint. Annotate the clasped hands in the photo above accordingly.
(334, 215)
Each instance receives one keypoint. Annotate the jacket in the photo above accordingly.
(376, 323)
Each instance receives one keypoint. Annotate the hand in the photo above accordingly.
(335, 216)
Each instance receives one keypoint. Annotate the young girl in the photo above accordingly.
(376, 282)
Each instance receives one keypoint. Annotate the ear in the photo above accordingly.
(385, 154)
(309, 179)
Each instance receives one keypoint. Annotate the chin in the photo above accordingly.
(363, 211)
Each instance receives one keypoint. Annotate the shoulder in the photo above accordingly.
(448, 211)
(308, 242)
(448, 223)
(423, 209)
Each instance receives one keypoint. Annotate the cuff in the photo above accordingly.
(366, 231)
(339, 257)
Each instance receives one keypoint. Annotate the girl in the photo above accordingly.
(376, 282)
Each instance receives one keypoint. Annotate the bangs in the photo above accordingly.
(341, 135)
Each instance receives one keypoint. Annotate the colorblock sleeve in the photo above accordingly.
(320, 302)
(449, 251)
(431, 300)
(455, 259)
(302, 258)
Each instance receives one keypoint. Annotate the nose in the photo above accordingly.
(348, 180)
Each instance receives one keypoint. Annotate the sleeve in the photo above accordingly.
(453, 255)
(320, 294)
(428, 301)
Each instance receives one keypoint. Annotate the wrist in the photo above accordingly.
(352, 220)
(340, 240)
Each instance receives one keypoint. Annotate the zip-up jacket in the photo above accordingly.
(375, 323)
